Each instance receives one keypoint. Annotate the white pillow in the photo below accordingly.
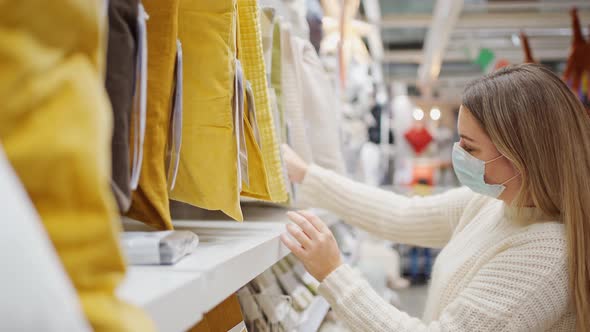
(37, 294)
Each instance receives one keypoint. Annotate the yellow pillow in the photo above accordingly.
(150, 201)
(208, 171)
(251, 56)
(56, 126)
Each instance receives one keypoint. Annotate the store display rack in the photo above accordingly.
(229, 256)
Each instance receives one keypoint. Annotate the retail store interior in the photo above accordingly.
(159, 200)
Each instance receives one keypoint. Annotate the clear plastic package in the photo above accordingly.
(158, 248)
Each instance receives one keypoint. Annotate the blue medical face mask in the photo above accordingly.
(470, 172)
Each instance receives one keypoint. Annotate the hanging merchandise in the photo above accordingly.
(209, 172)
(419, 138)
(578, 63)
(276, 74)
(321, 108)
(310, 105)
(292, 97)
(267, 20)
(251, 56)
(150, 200)
(58, 111)
(121, 65)
(314, 17)
(293, 13)
(31, 303)
(526, 48)
(257, 186)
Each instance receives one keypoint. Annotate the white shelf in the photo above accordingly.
(229, 255)
(312, 317)
(169, 298)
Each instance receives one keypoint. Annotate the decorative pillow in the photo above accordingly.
(208, 174)
(55, 126)
(150, 201)
(251, 55)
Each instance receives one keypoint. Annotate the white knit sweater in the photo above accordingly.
(497, 271)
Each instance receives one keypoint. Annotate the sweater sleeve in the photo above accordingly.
(521, 289)
(423, 221)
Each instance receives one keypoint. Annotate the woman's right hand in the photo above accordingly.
(296, 167)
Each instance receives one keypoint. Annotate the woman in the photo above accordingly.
(516, 238)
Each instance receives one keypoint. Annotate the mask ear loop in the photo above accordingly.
(505, 182)
(512, 178)
(491, 161)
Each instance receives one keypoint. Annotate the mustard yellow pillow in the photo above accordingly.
(252, 59)
(208, 171)
(56, 126)
(150, 201)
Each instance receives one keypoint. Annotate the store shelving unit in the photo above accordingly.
(229, 256)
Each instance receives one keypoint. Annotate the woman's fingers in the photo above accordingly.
(301, 237)
(304, 224)
(315, 221)
(294, 247)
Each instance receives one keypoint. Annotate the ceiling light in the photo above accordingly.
(418, 113)
(515, 40)
(435, 113)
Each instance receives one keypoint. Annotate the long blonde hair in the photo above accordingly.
(536, 121)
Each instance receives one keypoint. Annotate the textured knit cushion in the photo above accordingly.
(292, 96)
(321, 107)
(275, 78)
(55, 126)
(208, 171)
(150, 200)
(251, 56)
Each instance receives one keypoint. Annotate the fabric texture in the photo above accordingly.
(276, 75)
(250, 54)
(150, 201)
(55, 126)
(208, 174)
(292, 96)
(121, 54)
(321, 108)
(498, 271)
(310, 104)
(267, 20)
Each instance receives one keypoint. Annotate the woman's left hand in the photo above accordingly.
(316, 247)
